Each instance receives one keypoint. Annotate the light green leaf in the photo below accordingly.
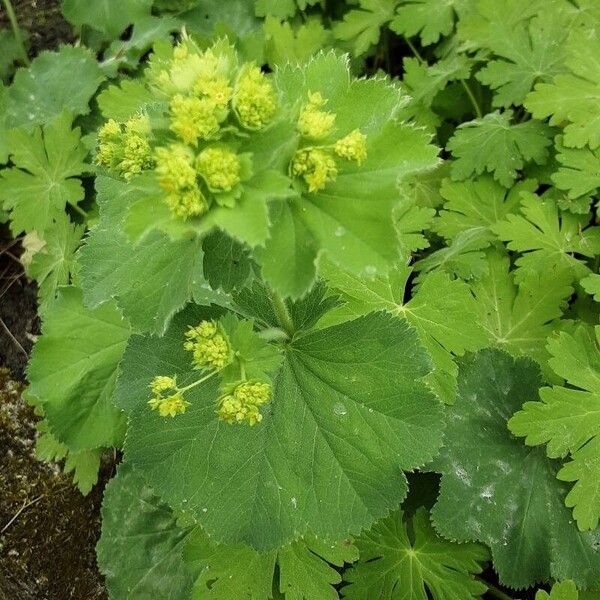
(140, 549)
(349, 412)
(565, 590)
(427, 18)
(362, 26)
(150, 280)
(550, 240)
(579, 171)
(55, 82)
(591, 284)
(568, 420)
(497, 491)
(574, 97)
(519, 318)
(122, 101)
(72, 371)
(51, 267)
(305, 569)
(493, 144)
(44, 179)
(416, 567)
(110, 17)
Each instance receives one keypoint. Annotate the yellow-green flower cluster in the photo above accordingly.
(125, 148)
(167, 399)
(254, 98)
(242, 404)
(316, 164)
(209, 346)
(179, 179)
(220, 167)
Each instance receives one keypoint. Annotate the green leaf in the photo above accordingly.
(394, 564)
(51, 267)
(285, 44)
(10, 52)
(349, 412)
(551, 240)
(526, 52)
(122, 101)
(305, 568)
(427, 18)
(226, 262)
(44, 179)
(440, 310)
(72, 371)
(568, 420)
(477, 205)
(4, 153)
(497, 491)
(110, 17)
(85, 464)
(281, 9)
(55, 82)
(237, 15)
(496, 145)
(150, 280)
(140, 549)
(565, 590)
(591, 284)
(362, 26)
(574, 97)
(350, 220)
(519, 318)
(579, 171)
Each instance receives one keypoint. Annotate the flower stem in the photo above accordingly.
(10, 11)
(198, 382)
(282, 313)
(472, 98)
(494, 591)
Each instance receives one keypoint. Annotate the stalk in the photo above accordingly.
(10, 11)
(282, 313)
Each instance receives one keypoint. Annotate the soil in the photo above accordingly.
(43, 22)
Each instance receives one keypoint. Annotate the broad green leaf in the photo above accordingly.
(55, 82)
(226, 263)
(416, 566)
(497, 491)
(350, 220)
(282, 9)
(110, 17)
(44, 179)
(550, 240)
(591, 284)
(151, 280)
(285, 44)
(72, 372)
(237, 15)
(51, 267)
(349, 412)
(10, 52)
(568, 420)
(440, 309)
(140, 549)
(4, 153)
(493, 144)
(519, 318)
(305, 569)
(362, 26)
(573, 98)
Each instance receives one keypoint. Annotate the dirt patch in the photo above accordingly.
(48, 530)
(43, 21)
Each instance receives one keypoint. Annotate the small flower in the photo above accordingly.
(254, 98)
(242, 404)
(194, 119)
(316, 166)
(220, 167)
(313, 123)
(170, 406)
(177, 177)
(209, 346)
(352, 147)
(215, 88)
(167, 405)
